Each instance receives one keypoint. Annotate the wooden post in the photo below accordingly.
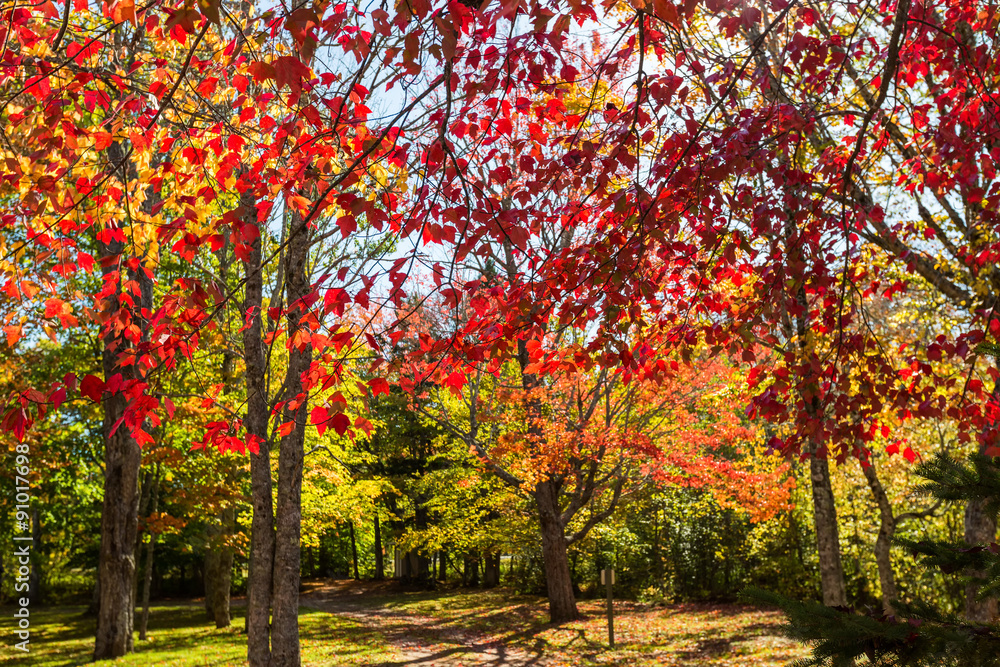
(608, 578)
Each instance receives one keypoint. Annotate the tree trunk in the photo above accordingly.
(443, 565)
(558, 583)
(324, 555)
(354, 551)
(119, 526)
(491, 570)
(831, 571)
(122, 458)
(35, 576)
(256, 420)
(379, 554)
(147, 582)
(219, 569)
(95, 599)
(145, 496)
(979, 530)
(471, 575)
(287, 552)
(219, 556)
(211, 572)
(883, 543)
(224, 582)
(657, 560)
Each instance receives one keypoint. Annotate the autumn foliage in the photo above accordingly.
(618, 226)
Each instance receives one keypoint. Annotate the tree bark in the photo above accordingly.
(883, 543)
(324, 556)
(379, 554)
(122, 459)
(219, 572)
(119, 527)
(980, 530)
(258, 409)
(211, 573)
(224, 581)
(470, 575)
(218, 595)
(831, 570)
(558, 582)
(145, 497)
(287, 552)
(491, 570)
(147, 582)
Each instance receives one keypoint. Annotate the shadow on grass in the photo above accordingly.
(494, 652)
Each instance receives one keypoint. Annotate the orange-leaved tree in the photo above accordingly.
(581, 442)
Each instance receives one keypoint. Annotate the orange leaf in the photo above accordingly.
(101, 140)
(13, 334)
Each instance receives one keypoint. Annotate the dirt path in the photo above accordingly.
(418, 640)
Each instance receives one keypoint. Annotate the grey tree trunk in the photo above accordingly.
(287, 551)
(883, 543)
(147, 582)
(831, 570)
(558, 581)
(258, 409)
(122, 459)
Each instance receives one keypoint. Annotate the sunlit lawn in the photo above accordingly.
(445, 628)
(180, 635)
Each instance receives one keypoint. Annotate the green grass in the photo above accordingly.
(180, 636)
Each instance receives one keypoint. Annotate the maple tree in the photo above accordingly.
(580, 444)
